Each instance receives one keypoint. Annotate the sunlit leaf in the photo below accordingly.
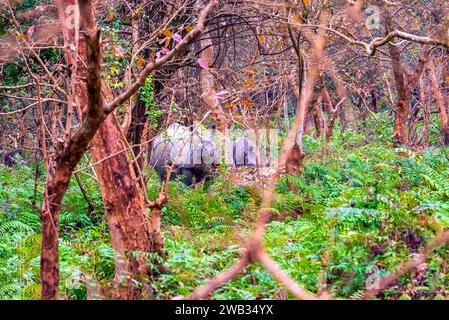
(250, 82)
(250, 72)
(247, 103)
(229, 105)
(140, 61)
(167, 33)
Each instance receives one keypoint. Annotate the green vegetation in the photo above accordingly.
(360, 208)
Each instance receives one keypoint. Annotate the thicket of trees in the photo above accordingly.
(86, 86)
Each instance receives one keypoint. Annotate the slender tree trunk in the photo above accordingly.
(404, 87)
(90, 204)
(308, 121)
(403, 100)
(86, 60)
(139, 118)
(426, 111)
(440, 103)
(347, 106)
(318, 117)
(24, 134)
(129, 224)
(374, 102)
(66, 156)
(209, 98)
(348, 114)
(296, 157)
(285, 114)
(413, 123)
(125, 208)
(331, 111)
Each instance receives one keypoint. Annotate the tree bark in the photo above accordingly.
(210, 100)
(330, 109)
(440, 103)
(66, 155)
(318, 117)
(85, 61)
(347, 106)
(129, 224)
(404, 87)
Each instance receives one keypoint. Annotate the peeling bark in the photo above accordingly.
(318, 117)
(440, 103)
(131, 227)
(210, 100)
(129, 224)
(404, 87)
(67, 155)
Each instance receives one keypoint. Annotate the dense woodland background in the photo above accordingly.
(356, 205)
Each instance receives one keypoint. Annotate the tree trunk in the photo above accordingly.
(347, 106)
(318, 117)
(404, 87)
(374, 102)
(440, 103)
(426, 111)
(296, 157)
(331, 111)
(210, 100)
(308, 121)
(139, 118)
(66, 156)
(129, 224)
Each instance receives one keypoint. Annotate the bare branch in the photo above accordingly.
(163, 60)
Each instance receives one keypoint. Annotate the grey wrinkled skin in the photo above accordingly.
(244, 152)
(161, 150)
(194, 155)
(12, 158)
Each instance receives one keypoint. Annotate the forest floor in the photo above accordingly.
(361, 208)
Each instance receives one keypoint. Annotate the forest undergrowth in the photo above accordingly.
(361, 207)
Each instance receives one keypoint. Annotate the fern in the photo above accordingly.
(10, 291)
(436, 181)
(357, 295)
(74, 219)
(10, 227)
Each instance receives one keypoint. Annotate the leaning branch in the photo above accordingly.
(224, 277)
(405, 267)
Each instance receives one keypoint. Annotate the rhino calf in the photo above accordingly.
(11, 158)
(244, 152)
